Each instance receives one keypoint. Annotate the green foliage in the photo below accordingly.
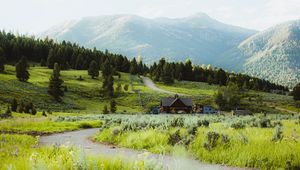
(174, 138)
(211, 140)
(2, 60)
(93, 70)
(22, 70)
(296, 92)
(21, 152)
(228, 98)
(278, 134)
(55, 84)
(14, 105)
(113, 106)
(167, 75)
(105, 110)
(126, 87)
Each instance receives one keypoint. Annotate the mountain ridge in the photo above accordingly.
(173, 38)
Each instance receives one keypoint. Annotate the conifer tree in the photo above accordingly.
(296, 92)
(2, 60)
(14, 105)
(133, 67)
(50, 59)
(93, 69)
(55, 85)
(43, 62)
(167, 77)
(22, 70)
(108, 80)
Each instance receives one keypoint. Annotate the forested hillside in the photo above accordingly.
(199, 37)
(72, 56)
(273, 54)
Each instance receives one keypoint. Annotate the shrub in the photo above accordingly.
(126, 87)
(193, 130)
(211, 140)
(265, 123)
(278, 134)
(177, 122)
(115, 131)
(204, 123)
(44, 114)
(225, 139)
(237, 125)
(174, 138)
(85, 125)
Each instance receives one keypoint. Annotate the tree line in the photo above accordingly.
(68, 55)
(13, 49)
(167, 72)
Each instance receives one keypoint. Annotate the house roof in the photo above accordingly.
(169, 101)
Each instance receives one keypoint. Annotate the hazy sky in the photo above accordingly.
(33, 16)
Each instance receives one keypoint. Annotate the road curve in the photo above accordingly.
(81, 140)
(149, 83)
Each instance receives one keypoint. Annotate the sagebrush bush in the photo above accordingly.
(211, 140)
(174, 138)
(278, 134)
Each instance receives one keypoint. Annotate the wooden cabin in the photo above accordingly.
(176, 105)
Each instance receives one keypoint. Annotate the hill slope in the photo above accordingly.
(273, 54)
(199, 37)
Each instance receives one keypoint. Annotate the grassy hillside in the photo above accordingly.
(84, 95)
(81, 96)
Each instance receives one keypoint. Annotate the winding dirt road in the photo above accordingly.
(150, 84)
(81, 140)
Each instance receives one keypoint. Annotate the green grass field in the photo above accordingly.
(236, 141)
(243, 142)
(23, 152)
(82, 96)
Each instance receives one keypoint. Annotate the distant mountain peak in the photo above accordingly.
(199, 15)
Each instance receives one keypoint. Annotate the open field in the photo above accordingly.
(270, 142)
(23, 152)
(81, 96)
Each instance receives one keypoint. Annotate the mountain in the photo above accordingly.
(273, 54)
(198, 37)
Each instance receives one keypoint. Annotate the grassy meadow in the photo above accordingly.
(81, 95)
(270, 142)
(264, 141)
(23, 152)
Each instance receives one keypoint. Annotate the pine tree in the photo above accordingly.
(14, 105)
(109, 88)
(2, 60)
(113, 106)
(133, 67)
(50, 59)
(21, 107)
(55, 85)
(108, 80)
(167, 77)
(296, 92)
(22, 70)
(93, 69)
(43, 63)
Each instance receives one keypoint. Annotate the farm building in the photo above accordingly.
(176, 105)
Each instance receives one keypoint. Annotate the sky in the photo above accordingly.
(35, 16)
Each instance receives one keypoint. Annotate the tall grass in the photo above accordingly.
(22, 152)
